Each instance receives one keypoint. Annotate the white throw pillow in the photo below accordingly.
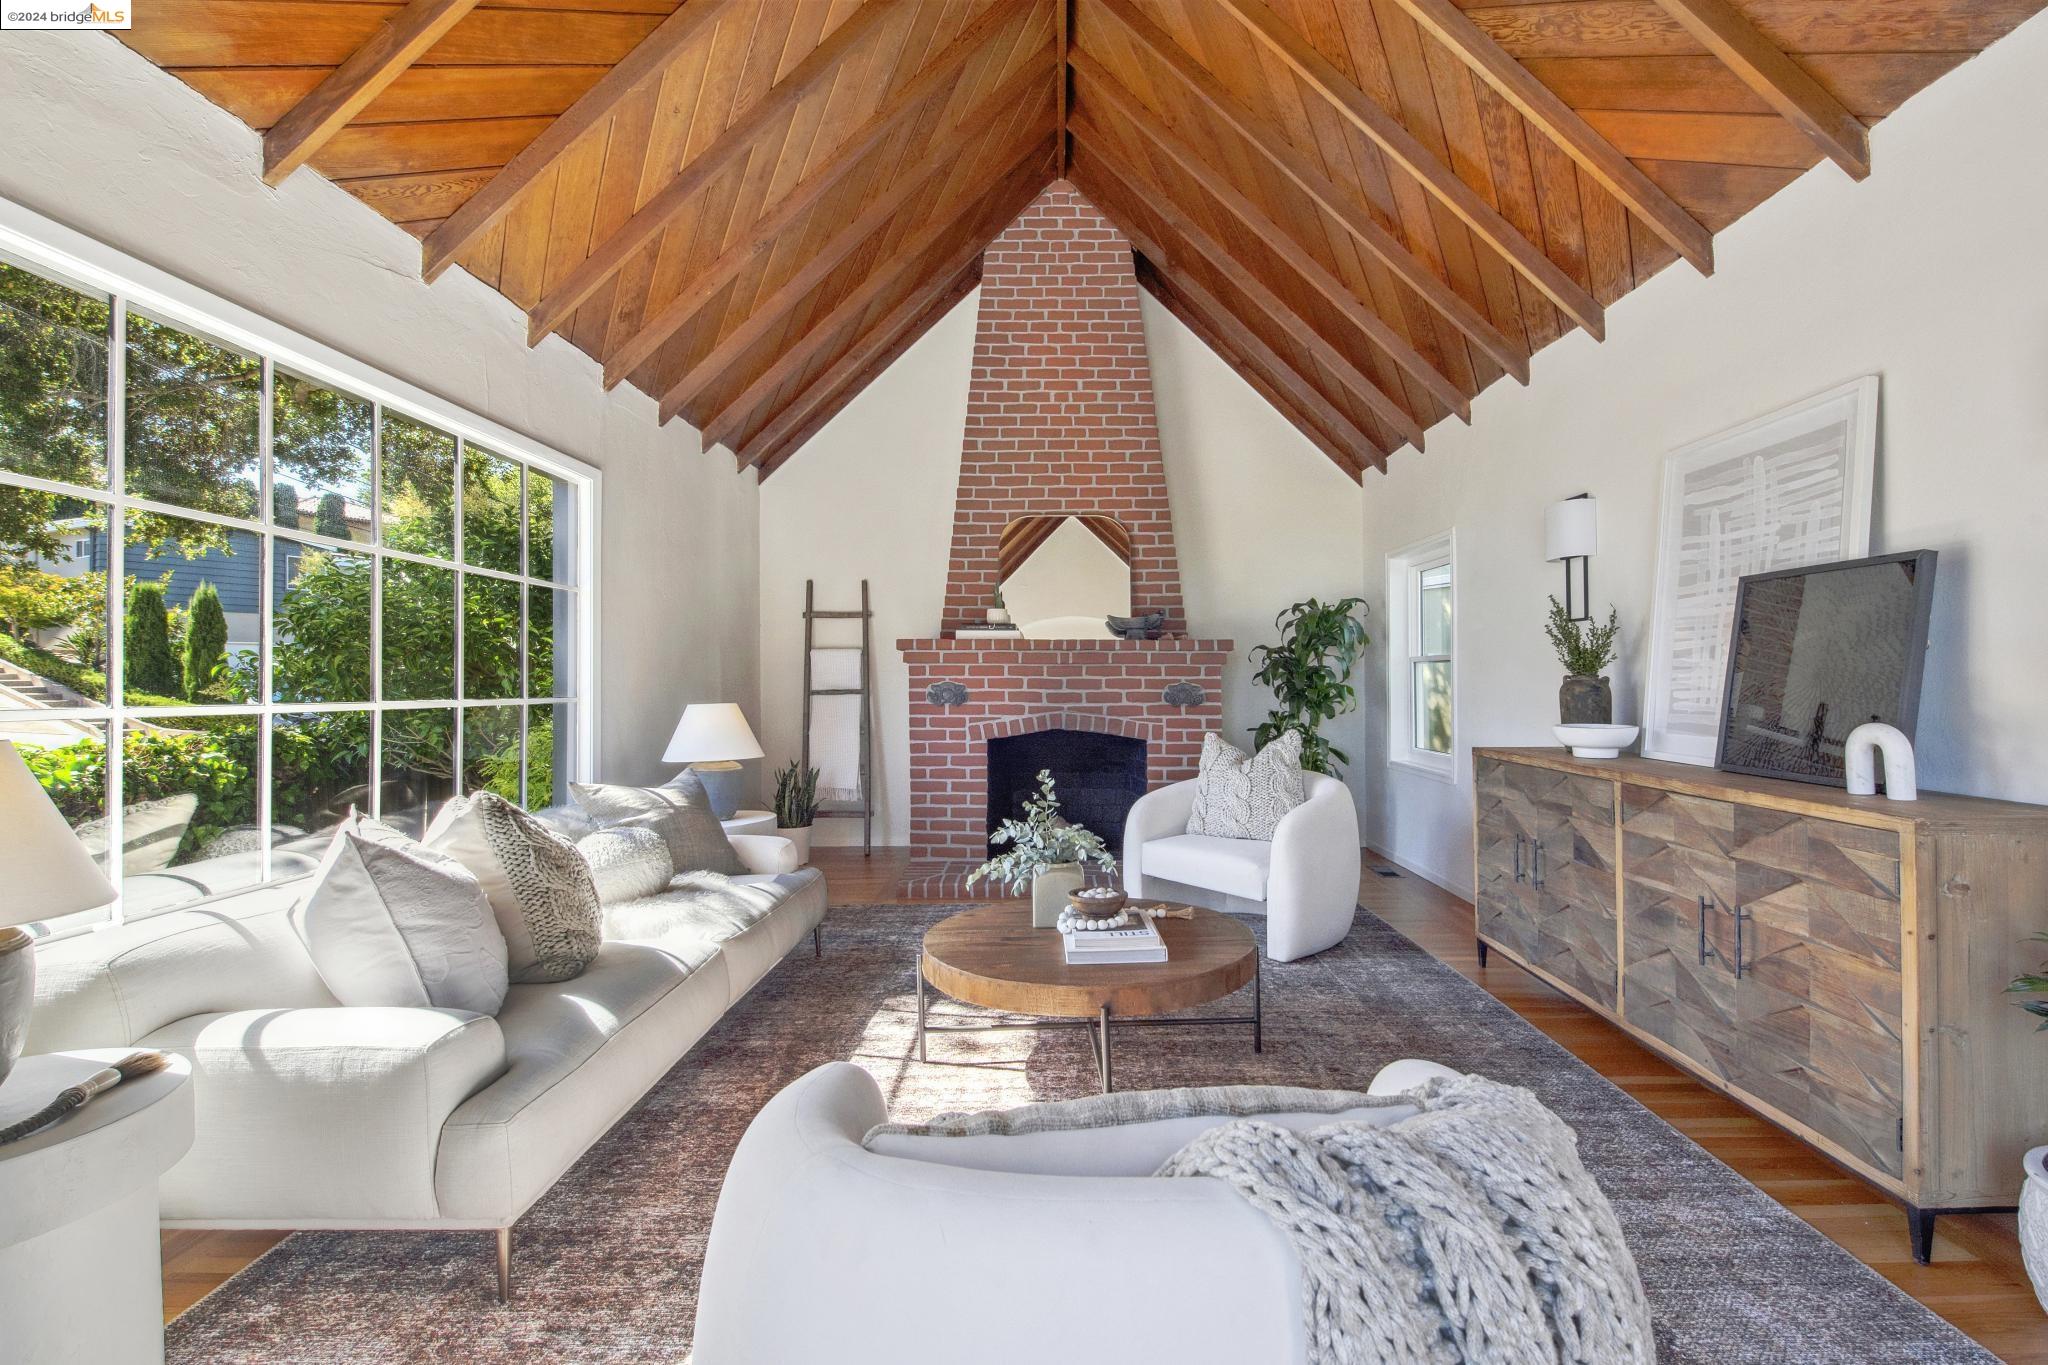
(1244, 797)
(391, 922)
(539, 886)
(627, 863)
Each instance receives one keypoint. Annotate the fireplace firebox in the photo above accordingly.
(1098, 777)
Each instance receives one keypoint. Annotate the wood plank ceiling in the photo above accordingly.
(1371, 209)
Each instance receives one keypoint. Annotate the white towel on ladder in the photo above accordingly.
(835, 725)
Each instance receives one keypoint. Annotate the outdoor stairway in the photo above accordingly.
(35, 689)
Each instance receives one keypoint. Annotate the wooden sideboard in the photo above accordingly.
(1836, 962)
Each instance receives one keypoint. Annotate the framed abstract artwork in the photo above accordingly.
(1787, 489)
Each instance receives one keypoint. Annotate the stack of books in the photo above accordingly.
(1133, 943)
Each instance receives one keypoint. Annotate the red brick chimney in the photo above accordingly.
(1059, 408)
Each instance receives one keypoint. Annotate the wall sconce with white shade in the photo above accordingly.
(713, 738)
(1571, 532)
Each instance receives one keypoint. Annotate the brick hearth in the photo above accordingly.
(1017, 686)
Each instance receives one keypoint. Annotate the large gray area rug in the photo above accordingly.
(607, 1263)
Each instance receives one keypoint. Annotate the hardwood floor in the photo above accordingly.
(1976, 1280)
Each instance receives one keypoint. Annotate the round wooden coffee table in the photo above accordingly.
(992, 957)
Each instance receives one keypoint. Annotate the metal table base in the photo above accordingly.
(1099, 1027)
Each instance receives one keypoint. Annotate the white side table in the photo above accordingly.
(750, 822)
(81, 1266)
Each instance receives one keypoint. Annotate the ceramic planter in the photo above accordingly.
(1049, 892)
(2034, 1222)
(1585, 701)
(800, 835)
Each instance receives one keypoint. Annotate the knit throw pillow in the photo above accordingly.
(627, 863)
(540, 887)
(1243, 797)
(679, 811)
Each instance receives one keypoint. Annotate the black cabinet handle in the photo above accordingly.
(1518, 857)
(1741, 919)
(1536, 864)
(1705, 906)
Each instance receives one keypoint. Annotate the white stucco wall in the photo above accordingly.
(1928, 274)
(1261, 519)
(105, 143)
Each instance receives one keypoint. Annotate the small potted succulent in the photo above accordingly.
(1585, 650)
(1045, 853)
(796, 803)
(2034, 1196)
(998, 614)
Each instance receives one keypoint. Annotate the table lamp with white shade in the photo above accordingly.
(713, 738)
(44, 872)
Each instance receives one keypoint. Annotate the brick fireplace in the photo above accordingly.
(1059, 420)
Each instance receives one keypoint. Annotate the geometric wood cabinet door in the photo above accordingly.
(1836, 962)
(1546, 875)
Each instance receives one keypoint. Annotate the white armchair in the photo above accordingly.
(1305, 881)
(822, 1250)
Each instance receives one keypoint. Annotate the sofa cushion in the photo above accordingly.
(754, 919)
(1235, 867)
(1244, 796)
(680, 810)
(539, 886)
(392, 922)
(579, 1054)
(312, 1116)
(626, 863)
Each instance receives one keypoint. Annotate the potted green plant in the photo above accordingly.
(1046, 852)
(796, 804)
(1585, 650)
(1309, 673)
(2034, 1195)
(998, 614)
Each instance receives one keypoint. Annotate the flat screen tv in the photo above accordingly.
(1818, 651)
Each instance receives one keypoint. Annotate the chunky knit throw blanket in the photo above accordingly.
(1470, 1232)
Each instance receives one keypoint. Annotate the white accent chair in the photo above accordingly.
(1305, 881)
(975, 1248)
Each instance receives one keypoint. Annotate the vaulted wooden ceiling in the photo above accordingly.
(1371, 209)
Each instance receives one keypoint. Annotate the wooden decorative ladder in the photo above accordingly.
(864, 808)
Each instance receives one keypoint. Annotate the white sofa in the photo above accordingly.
(1305, 881)
(919, 1253)
(310, 1114)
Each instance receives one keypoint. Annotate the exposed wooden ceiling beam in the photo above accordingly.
(398, 42)
(692, 20)
(1273, 236)
(1063, 38)
(771, 311)
(761, 237)
(1244, 280)
(1225, 323)
(1778, 80)
(1358, 109)
(653, 217)
(1289, 160)
(898, 344)
(1561, 123)
(905, 268)
(1156, 285)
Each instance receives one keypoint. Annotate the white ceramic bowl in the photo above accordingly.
(1596, 741)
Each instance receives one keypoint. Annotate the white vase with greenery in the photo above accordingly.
(796, 804)
(2034, 1195)
(1046, 853)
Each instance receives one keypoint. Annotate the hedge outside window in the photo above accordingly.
(318, 602)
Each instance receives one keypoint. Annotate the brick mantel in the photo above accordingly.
(1016, 687)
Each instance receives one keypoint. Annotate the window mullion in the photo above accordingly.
(116, 536)
(377, 562)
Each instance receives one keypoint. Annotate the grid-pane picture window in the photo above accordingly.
(305, 601)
